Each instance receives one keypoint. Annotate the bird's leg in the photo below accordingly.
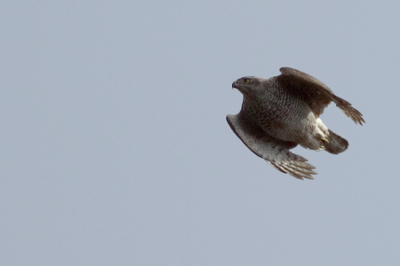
(322, 130)
(319, 136)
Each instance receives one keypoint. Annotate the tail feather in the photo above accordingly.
(336, 144)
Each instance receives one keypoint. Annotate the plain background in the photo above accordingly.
(115, 149)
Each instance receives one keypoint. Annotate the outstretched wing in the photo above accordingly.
(315, 93)
(275, 152)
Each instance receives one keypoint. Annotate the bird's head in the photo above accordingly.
(247, 85)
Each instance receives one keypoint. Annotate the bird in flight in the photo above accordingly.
(282, 112)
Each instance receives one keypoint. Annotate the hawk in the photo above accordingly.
(282, 112)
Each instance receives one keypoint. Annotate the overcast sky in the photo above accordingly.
(115, 149)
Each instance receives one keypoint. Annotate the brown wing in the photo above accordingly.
(275, 152)
(315, 93)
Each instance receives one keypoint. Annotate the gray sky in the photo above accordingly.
(115, 149)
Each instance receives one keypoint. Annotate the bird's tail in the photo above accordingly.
(336, 144)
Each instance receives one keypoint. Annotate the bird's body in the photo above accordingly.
(280, 117)
(281, 112)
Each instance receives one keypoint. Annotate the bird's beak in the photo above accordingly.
(234, 85)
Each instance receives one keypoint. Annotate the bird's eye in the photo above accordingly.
(246, 80)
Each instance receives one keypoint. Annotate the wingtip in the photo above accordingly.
(350, 111)
(299, 170)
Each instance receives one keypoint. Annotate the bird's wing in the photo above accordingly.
(315, 93)
(275, 152)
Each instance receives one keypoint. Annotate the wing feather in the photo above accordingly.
(275, 152)
(315, 93)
